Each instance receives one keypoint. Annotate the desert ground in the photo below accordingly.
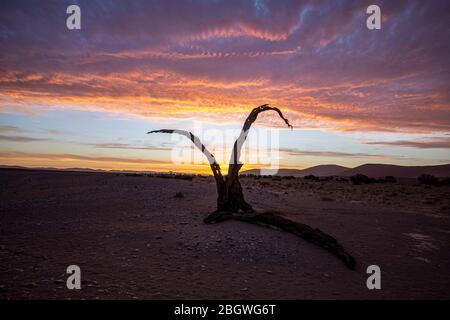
(142, 237)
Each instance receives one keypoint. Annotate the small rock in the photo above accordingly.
(30, 285)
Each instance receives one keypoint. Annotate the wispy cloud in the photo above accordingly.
(56, 132)
(21, 139)
(432, 143)
(72, 157)
(127, 146)
(11, 129)
(334, 154)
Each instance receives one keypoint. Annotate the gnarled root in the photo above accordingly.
(302, 230)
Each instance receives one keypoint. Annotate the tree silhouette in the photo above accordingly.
(232, 205)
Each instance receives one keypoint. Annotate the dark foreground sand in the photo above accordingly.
(134, 239)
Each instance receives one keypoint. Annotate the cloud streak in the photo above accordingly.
(127, 146)
(10, 129)
(435, 143)
(335, 154)
(20, 139)
(75, 157)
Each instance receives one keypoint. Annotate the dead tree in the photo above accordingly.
(232, 205)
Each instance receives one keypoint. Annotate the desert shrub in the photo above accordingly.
(311, 177)
(134, 175)
(188, 177)
(387, 179)
(358, 179)
(445, 182)
(428, 179)
(179, 195)
(327, 199)
(390, 179)
(276, 178)
(161, 175)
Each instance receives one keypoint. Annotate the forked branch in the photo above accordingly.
(215, 167)
(235, 164)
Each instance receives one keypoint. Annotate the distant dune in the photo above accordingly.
(381, 170)
(371, 170)
(73, 169)
(321, 170)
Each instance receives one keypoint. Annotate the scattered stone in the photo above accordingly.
(179, 195)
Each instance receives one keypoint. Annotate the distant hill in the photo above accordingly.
(381, 170)
(321, 170)
(324, 170)
(371, 170)
(73, 169)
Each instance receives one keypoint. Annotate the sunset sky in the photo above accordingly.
(86, 98)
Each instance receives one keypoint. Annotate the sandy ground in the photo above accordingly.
(134, 239)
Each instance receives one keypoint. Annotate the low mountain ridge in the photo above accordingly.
(370, 169)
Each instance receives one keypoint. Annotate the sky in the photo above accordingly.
(86, 98)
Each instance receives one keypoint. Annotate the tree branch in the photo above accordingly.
(235, 165)
(215, 167)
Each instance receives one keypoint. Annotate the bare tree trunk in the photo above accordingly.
(232, 195)
(232, 205)
(229, 190)
(235, 197)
